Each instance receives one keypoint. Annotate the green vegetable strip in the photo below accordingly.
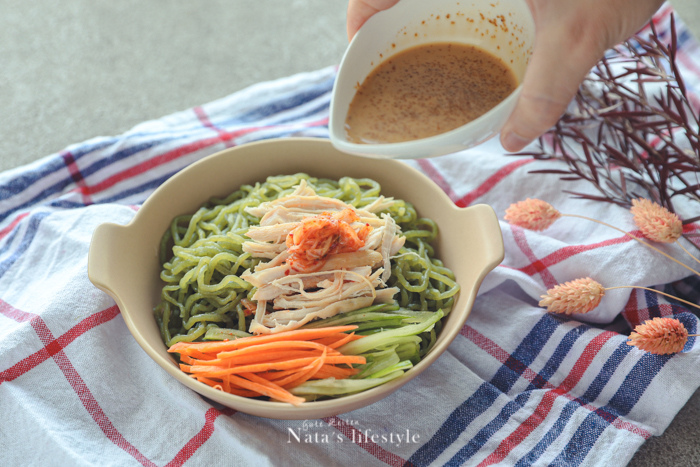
(389, 337)
(341, 387)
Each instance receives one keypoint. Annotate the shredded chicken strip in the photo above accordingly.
(345, 281)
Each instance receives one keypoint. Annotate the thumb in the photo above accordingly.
(551, 80)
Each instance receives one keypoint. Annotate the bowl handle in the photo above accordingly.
(107, 241)
(492, 244)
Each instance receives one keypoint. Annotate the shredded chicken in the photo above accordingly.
(325, 258)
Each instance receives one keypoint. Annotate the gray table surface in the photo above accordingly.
(70, 71)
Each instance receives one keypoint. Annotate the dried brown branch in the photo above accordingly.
(631, 131)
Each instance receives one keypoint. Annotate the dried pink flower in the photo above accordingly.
(655, 221)
(659, 336)
(532, 214)
(577, 296)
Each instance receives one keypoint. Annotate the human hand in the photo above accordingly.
(570, 37)
(360, 11)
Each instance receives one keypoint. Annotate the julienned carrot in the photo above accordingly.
(326, 371)
(269, 365)
(306, 373)
(267, 346)
(330, 371)
(259, 367)
(267, 357)
(221, 386)
(194, 353)
(336, 341)
(244, 387)
(252, 358)
(253, 382)
(275, 375)
(344, 340)
(295, 335)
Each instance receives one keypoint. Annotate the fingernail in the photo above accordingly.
(513, 142)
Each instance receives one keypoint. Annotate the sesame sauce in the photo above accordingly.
(427, 90)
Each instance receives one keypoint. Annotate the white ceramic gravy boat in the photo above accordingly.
(503, 28)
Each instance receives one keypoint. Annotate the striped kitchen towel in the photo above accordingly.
(519, 386)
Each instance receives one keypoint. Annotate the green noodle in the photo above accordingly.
(202, 258)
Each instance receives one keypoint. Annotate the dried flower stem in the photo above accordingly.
(687, 252)
(640, 241)
(653, 290)
(632, 128)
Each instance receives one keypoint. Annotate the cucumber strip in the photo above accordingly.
(388, 337)
(337, 387)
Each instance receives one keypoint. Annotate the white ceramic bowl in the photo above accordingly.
(503, 28)
(123, 259)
